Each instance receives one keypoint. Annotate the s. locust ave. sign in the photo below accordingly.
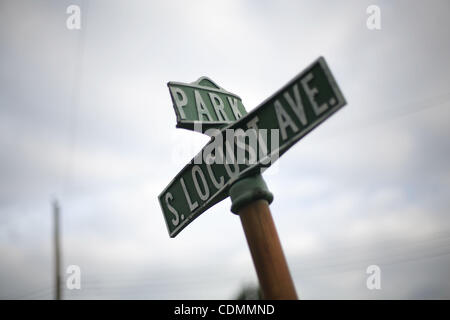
(250, 143)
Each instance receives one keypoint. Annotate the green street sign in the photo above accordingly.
(203, 101)
(250, 144)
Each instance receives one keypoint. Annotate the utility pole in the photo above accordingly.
(57, 248)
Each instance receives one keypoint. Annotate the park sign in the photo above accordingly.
(204, 102)
(250, 144)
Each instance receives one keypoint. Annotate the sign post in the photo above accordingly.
(250, 200)
(242, 145)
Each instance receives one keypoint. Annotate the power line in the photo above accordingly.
(380, 118)
(308, 269)
(186, 283)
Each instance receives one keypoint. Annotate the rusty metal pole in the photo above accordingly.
(250, 200)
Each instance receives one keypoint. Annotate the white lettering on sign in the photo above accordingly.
(180, 100)
(218, 107)
(192, 206)
(202, 110)
(234, 107)
(296, 105)
(311, 92)
(218, 184)
(284, 120)
(224, 107)
(196, 171)
(175, 220)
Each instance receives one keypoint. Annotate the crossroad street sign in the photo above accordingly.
(203, 101)
(289, 114)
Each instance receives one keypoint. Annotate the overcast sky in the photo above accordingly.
(86, 117)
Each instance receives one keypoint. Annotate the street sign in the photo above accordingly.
(203, 101)
(254, 141)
